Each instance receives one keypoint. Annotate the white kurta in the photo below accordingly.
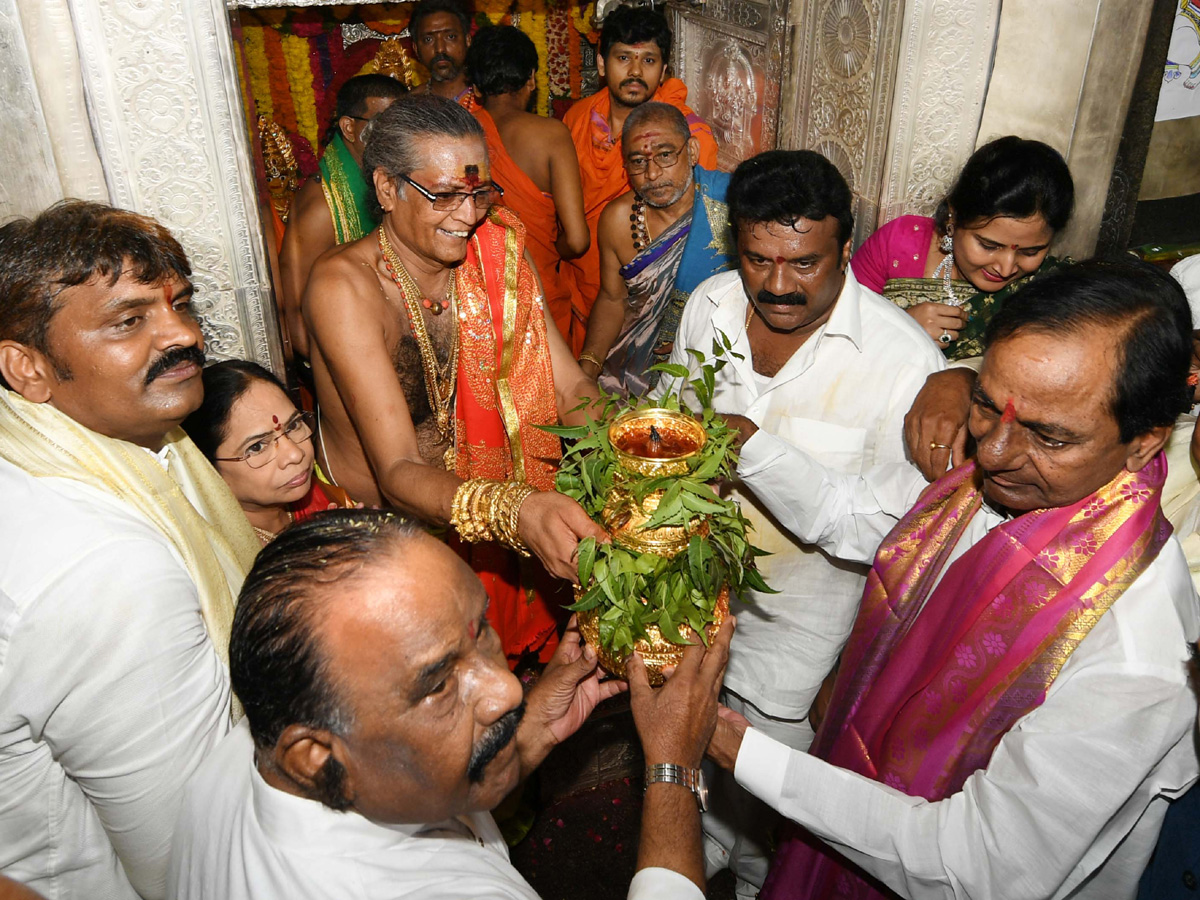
(110, 691)
(238, 838)
(1071, 802)
(842, 397)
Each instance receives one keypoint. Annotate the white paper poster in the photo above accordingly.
(1180, 94)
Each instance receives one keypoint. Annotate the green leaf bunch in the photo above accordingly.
(629, 589)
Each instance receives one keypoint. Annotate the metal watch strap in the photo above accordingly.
(692, 779)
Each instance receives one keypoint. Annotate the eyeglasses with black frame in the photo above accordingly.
(664, 159)
(446, 201)
(263, 451)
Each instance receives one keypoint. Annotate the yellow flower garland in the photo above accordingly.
(300, 77)
(256, 65)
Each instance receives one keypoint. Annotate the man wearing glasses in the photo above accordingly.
(631, 60)
(332, 209)
(434, 365)
(657, 242)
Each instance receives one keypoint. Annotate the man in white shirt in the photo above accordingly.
(1012, 711)
(121, 552)
(821, 364)
(383, 725)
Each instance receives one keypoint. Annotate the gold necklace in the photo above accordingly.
(439, 380)
(267, 536)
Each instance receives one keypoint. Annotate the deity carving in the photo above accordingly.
(732, 96)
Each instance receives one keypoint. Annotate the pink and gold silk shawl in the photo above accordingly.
(930, 682)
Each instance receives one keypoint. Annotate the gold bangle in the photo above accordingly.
(487, 510)
(591, 357)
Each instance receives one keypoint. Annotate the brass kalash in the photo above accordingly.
(649, 442)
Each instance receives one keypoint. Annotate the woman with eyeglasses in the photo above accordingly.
(261, 444)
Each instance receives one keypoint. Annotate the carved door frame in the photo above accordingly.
(166, 111)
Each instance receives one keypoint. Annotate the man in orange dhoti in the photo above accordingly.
(437, 414)
(532, 158)
(631, 60)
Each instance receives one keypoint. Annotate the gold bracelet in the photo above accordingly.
(487, 510)
(590, 357)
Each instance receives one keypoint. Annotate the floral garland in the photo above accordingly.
(497, 12)
(532, 21)
(292, 61)
(299, 73)
(257, 71)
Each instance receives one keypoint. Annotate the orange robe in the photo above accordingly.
(540, 219)
(505, 390)
(604, 179)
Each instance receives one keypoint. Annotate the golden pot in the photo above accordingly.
(624, 519)
(678, 438)
(657, 653)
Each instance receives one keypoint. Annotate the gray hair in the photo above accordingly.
(394, 137)
(654, 111)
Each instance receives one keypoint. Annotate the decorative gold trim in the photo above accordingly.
(508, 407)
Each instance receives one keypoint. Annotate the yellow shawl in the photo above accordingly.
(208, 529)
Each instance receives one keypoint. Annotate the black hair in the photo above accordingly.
(652, 110)
(224, 384)
(1144, 310)
(426, 8)
(785, 185)
(352, 96)
(276, 663)
(1011, 177)
(500, 60)
(635, 25)
(69, 244)
(393, 136)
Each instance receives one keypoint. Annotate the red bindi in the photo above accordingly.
(471, 176)
(1010, 413)
(275, 422)
(779, 260)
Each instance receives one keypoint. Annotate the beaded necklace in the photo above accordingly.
(637, 225)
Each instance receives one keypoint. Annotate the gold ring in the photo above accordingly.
(934, 445)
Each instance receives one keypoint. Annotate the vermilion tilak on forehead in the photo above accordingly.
(471, 176)
(167, 292)
(473, 629)
(1010, 413)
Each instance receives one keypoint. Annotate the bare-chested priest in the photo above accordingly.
(435, 362)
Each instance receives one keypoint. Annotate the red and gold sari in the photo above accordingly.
(505, 391)
(928, 687)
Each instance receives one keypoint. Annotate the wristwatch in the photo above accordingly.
(692, 779)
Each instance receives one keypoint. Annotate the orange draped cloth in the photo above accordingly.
(538, 215)
(505, 390)
(604, 179)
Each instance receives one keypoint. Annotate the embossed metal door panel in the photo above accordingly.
(732, 54)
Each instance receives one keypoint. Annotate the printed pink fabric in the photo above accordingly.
(926, 689)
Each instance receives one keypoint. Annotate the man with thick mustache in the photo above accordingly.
(383, 725)
(441, 34)
(821, 364)
(1012, 713)
(657, 243)
(122, 553)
